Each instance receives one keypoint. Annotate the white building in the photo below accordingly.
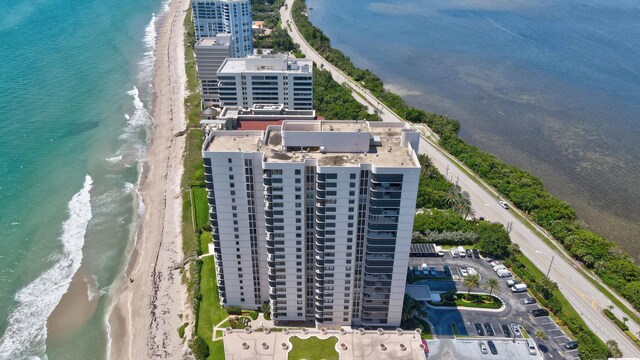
(233, 17)
(266, 79)
(315, 217)
(210, 54)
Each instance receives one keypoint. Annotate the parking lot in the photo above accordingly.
(480, 323)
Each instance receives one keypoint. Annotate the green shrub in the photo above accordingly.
(253, 314)
(199, 348)
(233, 310)
(181, 330)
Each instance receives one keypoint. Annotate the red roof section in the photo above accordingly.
(257, 124)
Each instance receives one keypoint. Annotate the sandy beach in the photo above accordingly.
(150, 302)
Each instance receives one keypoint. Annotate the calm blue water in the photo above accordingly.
(550, 86)
(75, 81)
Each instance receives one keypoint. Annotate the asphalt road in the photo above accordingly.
(585, 298)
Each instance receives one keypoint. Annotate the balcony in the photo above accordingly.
(385, 187)
(380, 249)
(383, 219)
(381, 235)
(384, 203)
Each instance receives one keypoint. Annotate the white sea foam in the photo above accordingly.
(26, 333)
(126, 116)
(114, 159)
(128, 187)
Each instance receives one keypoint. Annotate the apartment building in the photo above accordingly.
(233, 17)
(315, 217)
(210, 54)
(266, 79)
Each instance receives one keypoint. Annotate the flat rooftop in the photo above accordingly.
(220, 40)
(266, 63)
(384, 149)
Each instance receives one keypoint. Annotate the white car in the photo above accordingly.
(532, 347)
(463, 272)
(483, 348)
(504, 204)
(516, 330)
(499, 267)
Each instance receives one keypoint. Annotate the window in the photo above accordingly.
(230, 177)
(297, 172)
(352, 176)
(230, 161)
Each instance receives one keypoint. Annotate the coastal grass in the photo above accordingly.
(313, 348)
(200, 207)
(181, 330)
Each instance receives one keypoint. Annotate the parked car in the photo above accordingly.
(492, 347)
(503, 273)
(489, 329)
(469, 253)
(494, 263)
(432, 270)
(506, 330)
(539, 312)
(504, 204)
(481, 218)
(499, 267)
(440, 252)
(447, 270)
(532, 347)
(462, 251)
(479, 329)
(454, 253)
(476, 254)
(416, 270)
(483, 348)
(571, 345)
(512, 282)
(516, 330)
(425, 269)
(489, 260)
(529, 300)
(463, 272)
(517, 288)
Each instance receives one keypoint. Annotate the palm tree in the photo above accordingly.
(540, 335)
(491, 284)
(471, 282)
(411, 307)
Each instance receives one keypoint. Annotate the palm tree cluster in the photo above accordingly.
(473, 282)
(459, 201)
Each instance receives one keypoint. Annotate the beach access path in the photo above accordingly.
(587, 300)
(150, 297)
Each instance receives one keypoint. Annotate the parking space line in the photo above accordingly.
(564, 336)
(547, 323)
(556, 329)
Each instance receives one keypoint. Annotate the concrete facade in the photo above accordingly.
(211, 17)
(210, 54)
(314, 217)
(266, 80)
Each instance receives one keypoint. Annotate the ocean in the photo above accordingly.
(75, 95)
(552, 87)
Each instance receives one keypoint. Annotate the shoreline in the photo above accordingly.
(147, 283)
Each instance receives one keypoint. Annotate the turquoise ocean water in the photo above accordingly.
(74, 94)
(550, 86)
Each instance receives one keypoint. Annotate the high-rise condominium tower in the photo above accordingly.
(268, 80)
(233, 17)
(315, 217)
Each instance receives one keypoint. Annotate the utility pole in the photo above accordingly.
(446, 175)
(550, 264)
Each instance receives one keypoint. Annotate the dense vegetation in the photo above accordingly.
(334, 101)
(609, 262)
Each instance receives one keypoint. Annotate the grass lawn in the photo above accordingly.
(472, 301)
(210, 312)
(200, 206)
(313, 349)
